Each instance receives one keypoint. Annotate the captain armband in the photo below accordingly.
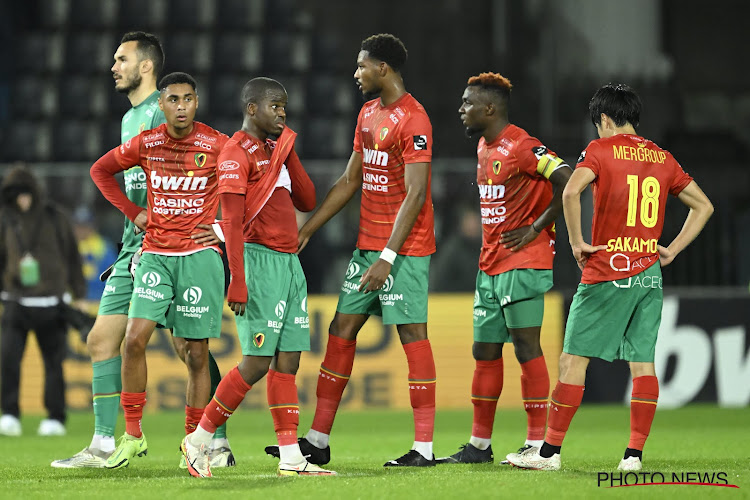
(549, 163)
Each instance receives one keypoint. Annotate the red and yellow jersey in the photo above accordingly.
(633, 178)
(181, 181)
(389, 138)
(244, 162)
(514, 189)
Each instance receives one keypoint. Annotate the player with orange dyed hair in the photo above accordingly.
(520, 195)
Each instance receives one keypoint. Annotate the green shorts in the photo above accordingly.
(119, 287)
(403, 299)
(193, 285)
(616, 319)
(513, 299)
(275, 319)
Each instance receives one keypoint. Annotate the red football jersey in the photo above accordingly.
(389, 138)
(243, 162)
(633, 178)
(181, 181)
(512, 176)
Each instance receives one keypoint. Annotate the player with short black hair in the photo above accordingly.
(520, 195)
(176, 274)
(262, 182)
(177, 77)
(616, 310)
(258, 89)
(148, 48)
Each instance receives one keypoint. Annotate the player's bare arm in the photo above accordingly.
(522, 236)
(416, 176)
(701, 209)
(571, 199)
(338, 196)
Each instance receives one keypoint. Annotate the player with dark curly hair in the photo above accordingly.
(389, 270)
(520, 195)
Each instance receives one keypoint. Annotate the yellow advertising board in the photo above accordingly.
(379, 379)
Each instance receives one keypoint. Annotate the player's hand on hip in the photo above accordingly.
(207, 237)
(302, 240)
(375, 276)
(238, 308)
(666, 256)
(518, 238)
(141, 220)
(583, 251)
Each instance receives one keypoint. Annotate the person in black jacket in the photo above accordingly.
(40, 268)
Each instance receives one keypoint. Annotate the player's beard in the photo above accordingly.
(135, 82)
(471, 132)
(370, 95)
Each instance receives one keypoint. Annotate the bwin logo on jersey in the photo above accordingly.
(352, 270)
(280, 308)
(151, 279)
(193, 295)
(388, 283)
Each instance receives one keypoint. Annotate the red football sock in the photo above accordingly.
(566, 399)
(335, 371)
(535, 393)
(642, 408)
(192, 418)
(485, 391)
(284, 406)
(422, 382)
(132, 404)
(229, 394)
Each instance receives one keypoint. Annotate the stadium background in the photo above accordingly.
(59, 112)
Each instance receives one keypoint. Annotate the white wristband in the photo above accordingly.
(217, 229)
(388, 255)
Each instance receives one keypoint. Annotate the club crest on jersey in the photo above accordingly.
(496, 166)
(383, 133)
(258, 340)
(200, 159)
(142, 128)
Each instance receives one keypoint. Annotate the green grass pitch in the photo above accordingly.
(693, 439)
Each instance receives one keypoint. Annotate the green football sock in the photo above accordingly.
(213, 368)
(105, 387)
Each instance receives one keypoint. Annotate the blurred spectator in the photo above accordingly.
(454, 268)
(96, 252)
(40, 265)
